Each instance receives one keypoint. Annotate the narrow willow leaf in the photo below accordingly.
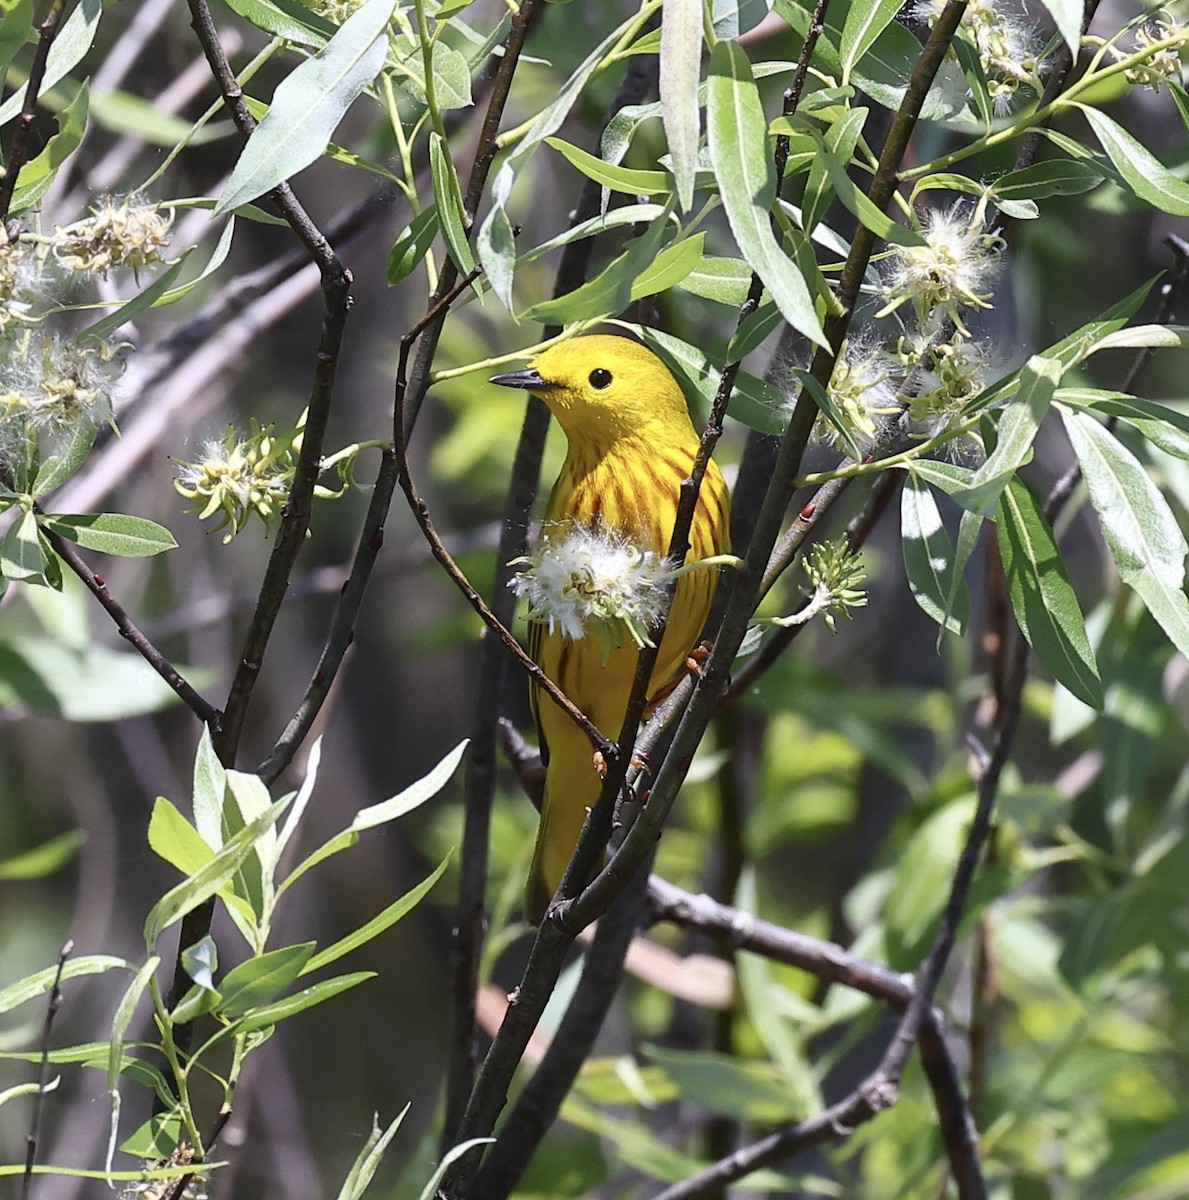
(37, 175)
(368, 1160)
(456, 1152)
(865, 21)
(378, 923)
(495, 243)
(217, 258)
(1068, 16)
(971, 63)
(739, 151)
(209, 791)
(1017, 431)
(611, 290)
(448, 199)
(412, 245)
(39, 983)
(69, 47)
(680, 66)
(669, 267)
(1144, 174)
(112, 533)
(857, 202)
(840, 139)
(272, 1014)
(413, 796)
(261, 979)
(629, 214)
(753, 330)
(1054, 177)
(1140, 529)
(174, 839)
(929, 559)
(611, 175)
(308, 105)
(293, 22)
(22, 555)
(58, 468)
(723, 280)
(732, 18)
(123, 1019)
(45, 859)
(1042, 597)
(15, 29)
(1161, 424)
(205, 883)
(106, 326)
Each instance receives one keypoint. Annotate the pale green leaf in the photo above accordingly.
(929, 559)
(308, 105)
(746, 175)
(72, 43)
(39, 983)
(413, 796)
(1140, 529)
(259, 980)
(112, 533)
(1145, 174)
(680, 67)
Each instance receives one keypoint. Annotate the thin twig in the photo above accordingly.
(43, 1075)
(206, 712)
(18, 153)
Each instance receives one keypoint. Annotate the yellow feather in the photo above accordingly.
(630, 444)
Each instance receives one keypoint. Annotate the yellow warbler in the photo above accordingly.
(600, 567)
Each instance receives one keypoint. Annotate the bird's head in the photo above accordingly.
(603, 388)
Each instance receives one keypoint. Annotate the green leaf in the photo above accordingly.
(259, 980)
(205, 883)
(1053, 177)
(156, 1139)
(72, 43)
(308, 105)
(865, 21)
(732, 1087)
(112, 533)
(1161, 424)
(611, 290)
(840, 139)
(669, 267)
(209, 791)
(1140, 529)
(495, 243)
(285, 19)
(857, 202)
(106, 326)
(123, 1018)
(43, 860)
(739, 151)
(37, 175)
(456, 1152)
(611, 175)
(752, 331)
(413, 796)
(217, 258)
(1147, 177)
(448, 198)
(411, 245)
(929, 559)
(1041, 595)
(1017, 431)
(1068, 16)
(731, 18)
(723, 280)
(378, 923)
(680, 67)
(368, 1160)
(39, 983)
(16, 29)
(58, 468)
(273, 1014)
(22, 555)
(174, 839)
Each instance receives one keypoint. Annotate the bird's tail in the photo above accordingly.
(571, 789)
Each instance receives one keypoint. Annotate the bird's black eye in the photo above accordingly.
(600, 378)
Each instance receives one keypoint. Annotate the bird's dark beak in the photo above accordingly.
(529, 380)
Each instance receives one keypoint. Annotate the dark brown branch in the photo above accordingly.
(206, 712)
(18, 153)
(43, 1074)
